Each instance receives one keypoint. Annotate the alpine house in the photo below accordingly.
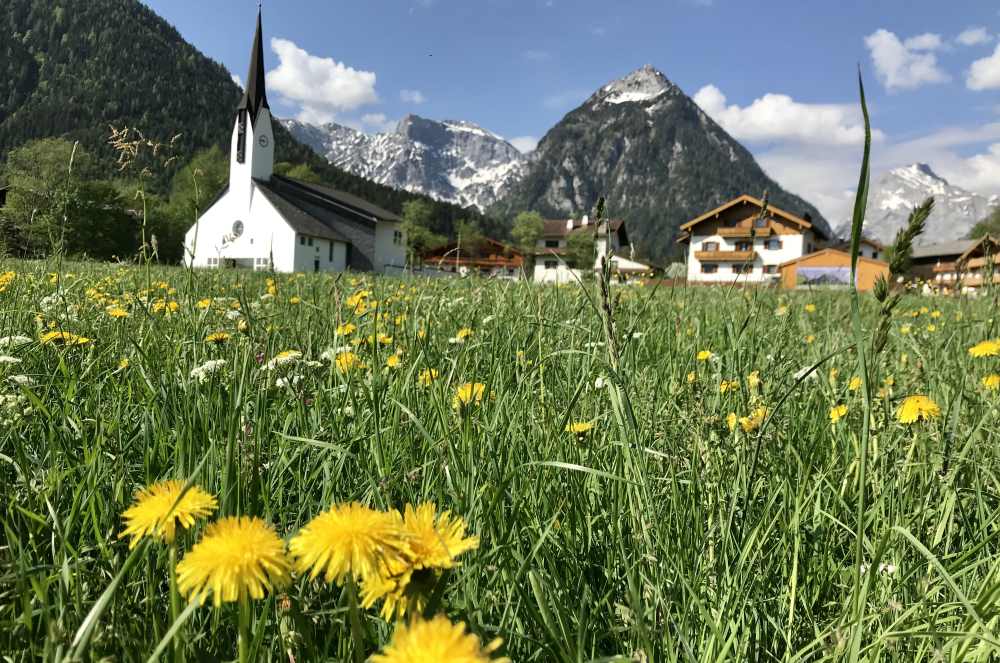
(262, 220)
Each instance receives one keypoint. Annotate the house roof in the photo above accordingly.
(942, 249)
(975, 244)
(871, 261)
(339, 199)
(255, 95)
(557, 227)
(776, 211)
(299, 219)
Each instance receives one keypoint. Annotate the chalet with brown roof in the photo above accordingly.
(967, 262)
(486, 257)
(735, 241)
(551, 249)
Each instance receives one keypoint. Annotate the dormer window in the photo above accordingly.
(760, 222)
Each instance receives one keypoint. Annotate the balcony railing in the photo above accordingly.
(725, 256)
(744, 232)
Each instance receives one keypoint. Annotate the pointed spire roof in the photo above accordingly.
(255, 95)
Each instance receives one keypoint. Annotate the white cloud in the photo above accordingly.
(378, 122)
(904, 65)
(237, 80)
(778, 117)
(974, 36)
(412, 96)
(524, 144)
(984, 74)
(928, 41)
(321, 87)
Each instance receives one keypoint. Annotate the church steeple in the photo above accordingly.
(255, 94)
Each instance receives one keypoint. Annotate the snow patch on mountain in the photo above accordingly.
(452, 160)
(641, 85)
(898, 191)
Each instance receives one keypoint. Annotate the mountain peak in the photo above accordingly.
(643, 84)
(918, 170)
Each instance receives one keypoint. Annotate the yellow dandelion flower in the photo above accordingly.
(781, 310)
(935, 314)
(393, 361)
(731, 421)
(728, 385)
(990, 348)
(463, 333)
(217, 338)
(123, 363)
(931, 328)
(916, 408)
(117, 312)
(470, 393)
(810, 308)
(349, 539)
(295, 300)
(753, 380)
(63, 338)
(435, 641)
(347, 361)
(421, 333)
(204, 303)
(237, 558)
(345, 329)
(754, 420)
(992, 382)
(691, 377)
(854, 384)
(704, 355)
(427, 376)
(810, 338)
(156, 511)
(837, 412)
(579, 427)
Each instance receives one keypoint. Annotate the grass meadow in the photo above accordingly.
(683, 495)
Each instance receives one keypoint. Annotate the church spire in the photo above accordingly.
(255, 95)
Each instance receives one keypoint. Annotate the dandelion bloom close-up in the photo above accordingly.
(348, 539)
(427, 376)
(159, 508)
(436, 640)
(470, 393)
(989, 348)
(217, 337)
(348, 361)
(916, 408)
(237, 558)
(704, 355)
(991, 382)
(837, 412)
(579, 427)
(63, 338)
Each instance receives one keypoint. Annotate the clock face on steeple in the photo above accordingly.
(262, 141)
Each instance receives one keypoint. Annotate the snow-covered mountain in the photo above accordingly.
(453, 161)
(898, 191)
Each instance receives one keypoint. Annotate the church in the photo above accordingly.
(263, 221)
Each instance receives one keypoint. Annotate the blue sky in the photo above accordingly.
(779, 75)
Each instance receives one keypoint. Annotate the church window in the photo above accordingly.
(241, 138)
(237, 228)
(302, 240)
(397, 237)
(331, 251)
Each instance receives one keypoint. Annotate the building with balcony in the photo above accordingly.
(736, 242)
(968, 263)
(552, 259)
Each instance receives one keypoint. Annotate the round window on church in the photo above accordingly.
(262, 141)
(237, 228)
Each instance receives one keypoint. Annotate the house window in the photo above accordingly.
(302, 240)
(397, 237)
(809, 248)
(331, 251)
(743, 267)
(552, 243)
(551, 264)
(310, 241)
(874, 255)
(709, 246)
(744, 246)
(770, 269)
(709, 269)
(773, 244)
(760, 222)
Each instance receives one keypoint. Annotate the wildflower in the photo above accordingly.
(992, 382)
(754, 420)
(753, 380)
(731, 421)
(931, 328)
(393, 361)
(916, 408)
(463, 333)
(159, 508)
(437, 639)
(217, 338)
(810, 338)
(989, 348)
(427, 376)
(579, 427)
(728, 385)
(21, 380)
(781, 310)
(6, 279)
(203, 303)
(854, 384)
(295, 300)
(283, 358)
(349, 539)
(123, 363)
(935, 314)
(704, 355)
(63, 338)
(345, 329)
(15, 341)
(7, 359)
(810, 308)
(691, 377)
(905, 329)
(837, 412)
(383, 339)
(470, 393)
(238, 558)
(117, 312)
(433, 542)
(203, 372)
(347, 361)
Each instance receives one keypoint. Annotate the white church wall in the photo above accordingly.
(390, 249)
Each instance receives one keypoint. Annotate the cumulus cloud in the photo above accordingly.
(237, 80)
(974, 36)
(321, 87)
(378, 122)
(984, 74)
(412, 96)
(778, 117)
(524, 144)
(905, 65)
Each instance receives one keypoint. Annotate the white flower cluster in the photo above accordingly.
(13, 342)
(207, 370)
(13, 408)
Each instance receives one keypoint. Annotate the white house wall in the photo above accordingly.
(388, 252)
(306, 256)
(792, 246)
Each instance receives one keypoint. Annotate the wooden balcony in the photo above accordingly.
(744, 232)
(725, 256)
(944, 267)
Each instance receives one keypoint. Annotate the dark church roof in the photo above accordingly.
(317, 211)
(255, 96)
